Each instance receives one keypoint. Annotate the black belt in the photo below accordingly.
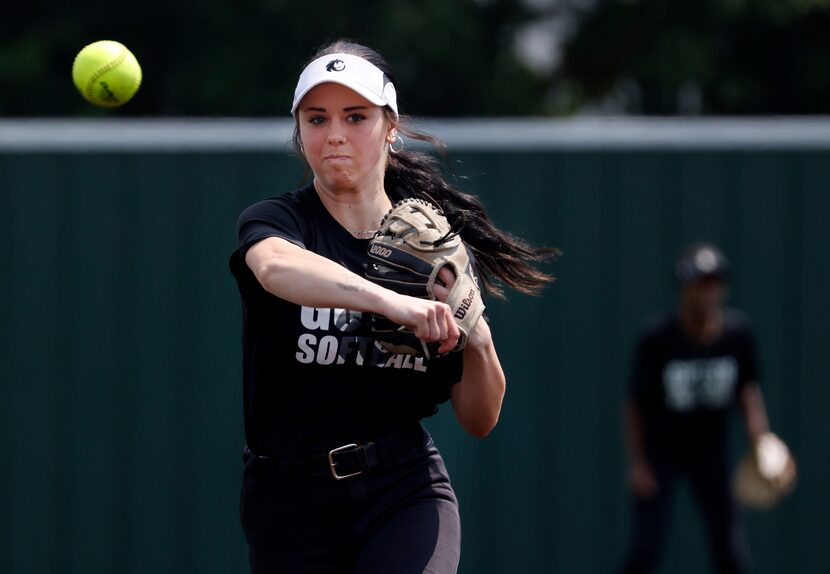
(352, 459)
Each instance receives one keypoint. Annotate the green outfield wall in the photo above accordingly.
(120, 419)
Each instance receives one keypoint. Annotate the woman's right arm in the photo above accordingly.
(306, 278)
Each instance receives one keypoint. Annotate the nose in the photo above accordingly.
(336, 138)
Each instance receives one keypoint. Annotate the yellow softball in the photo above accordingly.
(106, 73)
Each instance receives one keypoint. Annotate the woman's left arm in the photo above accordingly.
(755, 414)
(477, 399)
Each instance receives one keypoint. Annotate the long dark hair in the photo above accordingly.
(500, 256)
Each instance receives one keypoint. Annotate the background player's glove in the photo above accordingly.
(413, 243)
(765, 474)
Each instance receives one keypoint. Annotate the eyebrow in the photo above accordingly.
(347, 109)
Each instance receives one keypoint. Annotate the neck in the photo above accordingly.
(358, 211)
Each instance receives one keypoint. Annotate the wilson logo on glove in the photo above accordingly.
(380, 251)
(465, 304)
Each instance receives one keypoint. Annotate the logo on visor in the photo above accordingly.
(336, 66)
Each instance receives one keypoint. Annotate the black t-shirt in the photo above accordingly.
(685, 391)
(313, 378)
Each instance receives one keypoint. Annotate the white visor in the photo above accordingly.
(351, 71)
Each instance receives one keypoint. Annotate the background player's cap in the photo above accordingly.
(701, 260)
(351, 71)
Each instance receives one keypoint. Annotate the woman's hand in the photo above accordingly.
(641, 480)
(430, 320)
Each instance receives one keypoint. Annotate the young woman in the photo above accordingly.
(340, 475)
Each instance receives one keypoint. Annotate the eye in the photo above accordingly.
(355, 118)
(317, 119)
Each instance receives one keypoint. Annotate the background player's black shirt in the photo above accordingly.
(685, 390)
(314, 378)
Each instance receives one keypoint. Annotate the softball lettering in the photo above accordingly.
(334, 337)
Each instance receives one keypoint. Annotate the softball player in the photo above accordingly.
(691, 370)
(340, 476)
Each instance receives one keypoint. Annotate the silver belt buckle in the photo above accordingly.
(333, 464)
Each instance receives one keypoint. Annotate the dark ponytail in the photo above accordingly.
(500, 257)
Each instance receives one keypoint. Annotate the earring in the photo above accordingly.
(391, 145)
(302, 149)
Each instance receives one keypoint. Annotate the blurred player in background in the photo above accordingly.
(691, 370)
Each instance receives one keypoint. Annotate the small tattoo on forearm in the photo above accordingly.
(349, 287)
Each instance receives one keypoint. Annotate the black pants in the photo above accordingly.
(401, 517)
(708, 475)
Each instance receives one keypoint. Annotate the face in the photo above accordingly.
(344, 137)
(705, 295)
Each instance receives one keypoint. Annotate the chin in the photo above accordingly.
(332, 181)
(341, 185)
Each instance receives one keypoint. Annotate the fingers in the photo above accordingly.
(645, 489)
(443, 283)
(446, 276)
(434, 323)
(643, 483)
(437, 324)
(450, 337)
(441, 292)
(431, 321)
